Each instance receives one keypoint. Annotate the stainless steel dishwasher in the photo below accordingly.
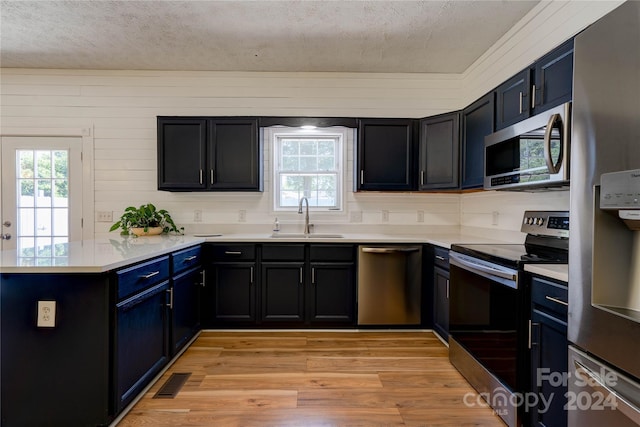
(389, 282)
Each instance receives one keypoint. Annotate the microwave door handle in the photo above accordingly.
(473, 267)
(553, 168)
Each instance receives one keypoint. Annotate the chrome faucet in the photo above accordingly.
(306, 217)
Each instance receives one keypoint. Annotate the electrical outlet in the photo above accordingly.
(385, 216)
(104, 216)
(46, 314)
(356, 216)
(494, 218)
(197, 215)
(242, 215)
(420, 216)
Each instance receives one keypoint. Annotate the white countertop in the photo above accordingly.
(96, 256)
(552, 271)
(101, 255)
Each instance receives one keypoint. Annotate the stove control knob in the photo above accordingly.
(540, 221)
(530, 220)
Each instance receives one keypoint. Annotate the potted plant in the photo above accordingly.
(146, 220)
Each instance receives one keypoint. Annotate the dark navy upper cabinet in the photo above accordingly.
(439, 151)
(553, 78)
(546, 84)
(477, 122)
(216, 153)
(512, 99)
(385, 155)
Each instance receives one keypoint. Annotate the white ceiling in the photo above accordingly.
(345, 36)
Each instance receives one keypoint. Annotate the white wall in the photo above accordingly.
(121, 108)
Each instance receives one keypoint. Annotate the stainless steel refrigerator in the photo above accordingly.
(604, 251)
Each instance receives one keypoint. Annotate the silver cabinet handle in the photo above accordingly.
(232, 253)
(150, 275)
(200, 176)
(204, 278)
(191, 258)
(421, 177)
(251, 272)
(170, 291)
(361, 176)
(447, 288)
(521, 96)
(301, 274)
(556, 300)
(533, 97)
(212, 176)
(553, 168)
(313, 275)
(389, 250)
(529, 339)
(441, 258)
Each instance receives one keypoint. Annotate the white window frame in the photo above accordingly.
(275, 134)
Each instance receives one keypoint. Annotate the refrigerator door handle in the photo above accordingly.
(623, 404)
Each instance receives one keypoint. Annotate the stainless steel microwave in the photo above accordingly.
(530, 155)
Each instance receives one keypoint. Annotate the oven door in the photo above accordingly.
(486, 323)
(531, 153)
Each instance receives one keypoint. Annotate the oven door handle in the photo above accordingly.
(484, 270)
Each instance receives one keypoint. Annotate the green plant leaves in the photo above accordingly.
(144, 217)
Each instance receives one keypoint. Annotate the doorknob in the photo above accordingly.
(5, 236)
(7, 223)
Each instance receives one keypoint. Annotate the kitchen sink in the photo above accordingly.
(306, 236)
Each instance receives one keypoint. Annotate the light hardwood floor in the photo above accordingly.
(314, 379)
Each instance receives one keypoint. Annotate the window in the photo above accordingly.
(308, 164)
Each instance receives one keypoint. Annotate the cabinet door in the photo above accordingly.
(441, 302)
(141, 342)
(439, 151)
(282, 292)
(554, 78)
(185, 308)
(181, 154)
(513, 100)
(549, 356)
(332, 293)
(230, 293)
(234, 155)
(477, 122)
(385, 155)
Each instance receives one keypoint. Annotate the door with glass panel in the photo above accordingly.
(41, 195)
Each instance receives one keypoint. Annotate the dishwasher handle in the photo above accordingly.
(389, 250)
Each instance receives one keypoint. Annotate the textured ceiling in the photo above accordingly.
(347, 36)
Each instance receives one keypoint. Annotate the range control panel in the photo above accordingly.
(546, 223)
(620, 190)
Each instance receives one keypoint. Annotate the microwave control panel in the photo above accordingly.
(620, 190)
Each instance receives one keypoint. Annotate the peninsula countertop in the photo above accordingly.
(102, 255)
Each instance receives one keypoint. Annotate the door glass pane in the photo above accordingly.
(60, 222)
(43, 222)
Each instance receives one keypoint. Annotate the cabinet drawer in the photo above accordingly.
(141, 276)
(283, 252)
(551, 295)
(343, 253)
(185, 259)
(441, 257)
(230, 252)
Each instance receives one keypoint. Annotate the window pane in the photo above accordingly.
(43, 246)
(26, 192)
(289, 147)
(326, 148)
(43, 222)
(308, 148)
(308, 164)
(326, 163)
(60, 193)
(26, 222)
(60, 222)
(291, 182)
(25, 164)
(26, 247)
(43, 164)
(60, 246)
(43, 192)
(61, 164)
(290, 163)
